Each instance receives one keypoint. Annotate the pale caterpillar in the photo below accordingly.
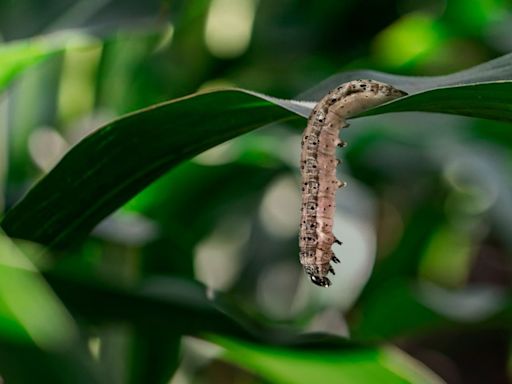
(318, 169)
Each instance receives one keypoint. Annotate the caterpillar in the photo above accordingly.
(318, 169)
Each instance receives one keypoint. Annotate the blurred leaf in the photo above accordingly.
(409, 38)
(113, 164)
(17, 56)
(38, 339)
(405, 259)
(402, 307)
(348, 365)
(393, 311)
(184, 307)
(168, 200)
(184, 225)
(177, 305)
(156, 350)
(23, 295)
(155, 355)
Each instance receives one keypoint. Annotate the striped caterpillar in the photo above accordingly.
(318, 169)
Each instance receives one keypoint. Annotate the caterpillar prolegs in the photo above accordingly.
(318, 169)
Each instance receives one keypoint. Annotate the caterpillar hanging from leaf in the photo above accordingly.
(318, 169)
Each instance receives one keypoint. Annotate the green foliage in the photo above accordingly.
(352, 365)
(177, 132)
(17, 57)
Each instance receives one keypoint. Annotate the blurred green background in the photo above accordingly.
(425, 281)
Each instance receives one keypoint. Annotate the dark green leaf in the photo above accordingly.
(172, 303)
(110, 166)
(38, 338)
(486, 100)
(17, 56)
(402, 307)
(155, 355)
(491, 71)
(116, 162)
(355, 365)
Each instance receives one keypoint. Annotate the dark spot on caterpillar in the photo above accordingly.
(311, 207)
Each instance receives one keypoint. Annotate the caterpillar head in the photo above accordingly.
(317, 273)
(320, 281)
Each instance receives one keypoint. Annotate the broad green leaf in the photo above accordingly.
(110, 166)
(187, 307)
(24, 297)
(155, 355)
(404, 307)
(178, 304)
(17, 56)
(492, 71)
(38, 338)
(183, 225)
(173, 304)
(337, 365)
(120, 159)
(486, 100)
(405, 257)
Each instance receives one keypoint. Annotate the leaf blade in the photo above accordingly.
(17, 56)
(67, 203)
(341, 365)
(130, 158)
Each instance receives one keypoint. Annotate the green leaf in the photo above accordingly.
(17, 56)
(492, 71)
(179, 305)
(38, 338)
(113, 164)
(155, 355)
(338, 365)
(116, 162)
(485, 100)
(404, 307)
(170, 303)
(184, 307)
(405, 258)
